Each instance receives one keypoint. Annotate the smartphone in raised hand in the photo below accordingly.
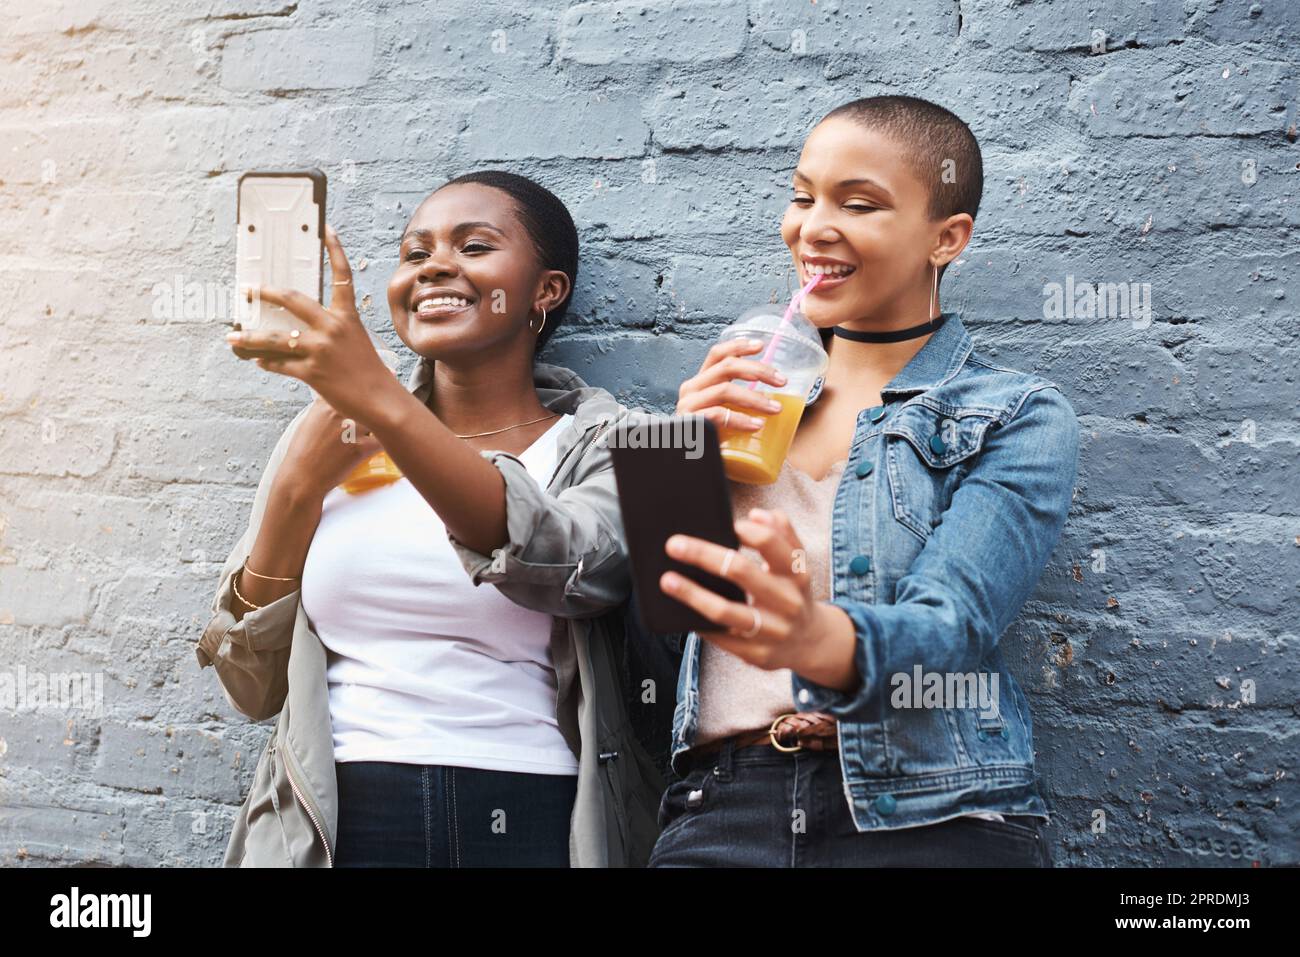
(280, 242)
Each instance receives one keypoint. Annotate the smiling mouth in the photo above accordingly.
(441, 305)
(832, 274)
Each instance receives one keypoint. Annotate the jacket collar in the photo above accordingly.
(559, 389)
(938, 360)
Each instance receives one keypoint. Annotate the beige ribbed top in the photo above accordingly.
(736, 696)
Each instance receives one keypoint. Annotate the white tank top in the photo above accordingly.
(423, 667)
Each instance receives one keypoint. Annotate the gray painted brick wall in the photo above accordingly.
(1125, 141)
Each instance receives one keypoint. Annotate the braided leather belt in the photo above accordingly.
(796, 731)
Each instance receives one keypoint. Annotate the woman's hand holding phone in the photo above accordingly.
(782, 625)
(710, 391)
(333, 354)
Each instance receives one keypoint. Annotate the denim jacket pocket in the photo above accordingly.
(986, 737)
(996, 732)
(928, 451)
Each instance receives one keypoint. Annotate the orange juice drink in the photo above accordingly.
(375, 471)
(755, 458)
(793, 345)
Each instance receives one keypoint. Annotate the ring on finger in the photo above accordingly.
(758, 624)
(726, 419)
(726, 562)
(293, 339)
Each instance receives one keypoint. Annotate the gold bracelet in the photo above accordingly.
(235, 588)
(269, 578)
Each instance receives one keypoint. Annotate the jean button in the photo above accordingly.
(695, 798)
(860, 565)
(876, 413)
(864, 469)
(886, 805)
(937, 445)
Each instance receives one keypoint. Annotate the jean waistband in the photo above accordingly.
(729, 754)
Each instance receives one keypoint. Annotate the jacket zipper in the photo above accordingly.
(576, 465)
(293, 786)
(594, 439)
(559, 465)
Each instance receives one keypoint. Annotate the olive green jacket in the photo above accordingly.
(566, 556)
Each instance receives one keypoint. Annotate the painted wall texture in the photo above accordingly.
(1149, 145)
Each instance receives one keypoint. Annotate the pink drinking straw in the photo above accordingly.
(785, 321)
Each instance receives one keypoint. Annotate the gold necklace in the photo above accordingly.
(475, 435)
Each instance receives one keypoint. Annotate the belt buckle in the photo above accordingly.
(771, 733)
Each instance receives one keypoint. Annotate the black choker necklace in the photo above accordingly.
(898, 335)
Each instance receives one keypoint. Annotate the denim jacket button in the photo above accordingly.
(937, 445)
(804, 696)
(695, 798)
(876, 413)
(860, 565)
(885, 805)
(864, 469)
(982, 734)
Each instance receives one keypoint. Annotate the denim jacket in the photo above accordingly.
(954, 495)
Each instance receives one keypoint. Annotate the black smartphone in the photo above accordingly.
(670, 481)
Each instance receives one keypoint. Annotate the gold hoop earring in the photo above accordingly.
(538, 330)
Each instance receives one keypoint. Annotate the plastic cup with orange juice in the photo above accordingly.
(374, 472)
(793, 345)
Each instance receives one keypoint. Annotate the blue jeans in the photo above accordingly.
(760, 807)
(416, 815)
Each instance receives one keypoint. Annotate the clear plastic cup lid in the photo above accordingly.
(767, 319)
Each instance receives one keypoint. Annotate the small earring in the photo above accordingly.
(538, 330)
(934, 294)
